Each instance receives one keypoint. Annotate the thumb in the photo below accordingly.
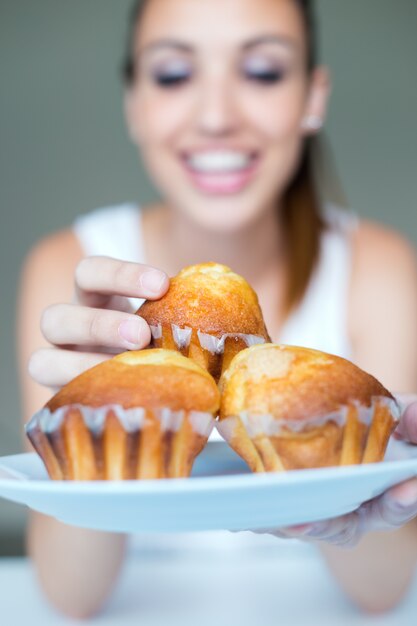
(407, 427)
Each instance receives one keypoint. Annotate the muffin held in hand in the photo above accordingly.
(285, 407)
(144, 414)
(208, 314)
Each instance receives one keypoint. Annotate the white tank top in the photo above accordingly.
(318, 322)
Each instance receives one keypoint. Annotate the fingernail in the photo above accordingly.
(130, 331)
(152, 281)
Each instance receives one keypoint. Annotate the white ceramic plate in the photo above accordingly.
(221, 494)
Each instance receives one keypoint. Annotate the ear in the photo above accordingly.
(317, 101)
(131, 117)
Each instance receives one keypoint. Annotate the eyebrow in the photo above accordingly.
(167, 43)
(281, 40)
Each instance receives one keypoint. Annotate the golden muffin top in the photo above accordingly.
(211, 298)
(294, 383)
(144, 378)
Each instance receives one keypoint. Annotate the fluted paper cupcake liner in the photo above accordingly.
(78, 442)
(212, 352)
(354, 434)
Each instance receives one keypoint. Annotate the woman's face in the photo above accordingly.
(218, 102)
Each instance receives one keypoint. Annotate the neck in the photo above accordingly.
(252, 251)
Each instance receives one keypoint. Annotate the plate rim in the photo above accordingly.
(204, 483)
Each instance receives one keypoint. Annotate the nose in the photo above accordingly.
(217, 114)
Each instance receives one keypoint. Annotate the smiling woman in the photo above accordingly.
(252, 89)
(223, 99)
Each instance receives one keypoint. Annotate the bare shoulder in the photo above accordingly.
(384, 267)
(377, 247)
(62, 245)
(47, 277)
(51, 262)
(383, 304)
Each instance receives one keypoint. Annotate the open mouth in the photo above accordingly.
(221, 171)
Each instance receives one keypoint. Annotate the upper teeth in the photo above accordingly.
(218, 161)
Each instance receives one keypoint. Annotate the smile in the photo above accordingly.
(222, 171)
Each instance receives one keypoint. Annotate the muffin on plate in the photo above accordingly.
(144, 414)
(208, 314)
(284, 407)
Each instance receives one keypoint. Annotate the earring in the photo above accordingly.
(312, 123)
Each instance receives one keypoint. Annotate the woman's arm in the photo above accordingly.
(383, 318)
(77, 568)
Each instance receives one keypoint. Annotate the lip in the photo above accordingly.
(221, 183)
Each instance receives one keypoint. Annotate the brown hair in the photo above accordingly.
(302, 220)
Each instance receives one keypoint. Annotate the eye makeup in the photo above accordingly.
(172, 73)
(263, 70)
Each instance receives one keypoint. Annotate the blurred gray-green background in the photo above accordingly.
(64, 150)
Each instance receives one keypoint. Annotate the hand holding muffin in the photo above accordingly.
(99, 322)
(90, 429)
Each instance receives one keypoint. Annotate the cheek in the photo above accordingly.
(161, 117)
(277, 114)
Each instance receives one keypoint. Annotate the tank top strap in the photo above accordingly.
(320, 321)
(114, 231)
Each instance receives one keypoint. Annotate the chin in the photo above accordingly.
(222, 217)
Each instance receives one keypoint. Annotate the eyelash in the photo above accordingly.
(167, 81)
(266, 78)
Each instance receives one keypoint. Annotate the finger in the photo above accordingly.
(394, 508)
(68, 324)
(398, 505)
(51, 367)
(342, 531)
(407, 427)
(98, 278)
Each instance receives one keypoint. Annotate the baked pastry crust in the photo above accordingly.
(209, 314)
(144, 414)
(144, 378)
(286, 407)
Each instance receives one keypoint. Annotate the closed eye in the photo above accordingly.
(261, 69)
(267, 77)
(171, 79)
